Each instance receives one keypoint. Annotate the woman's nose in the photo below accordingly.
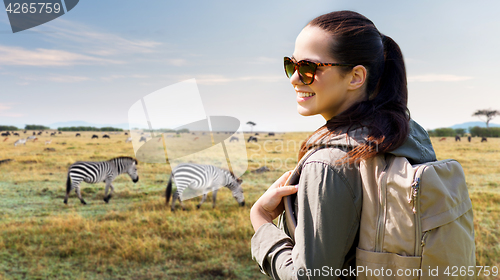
(295, 79)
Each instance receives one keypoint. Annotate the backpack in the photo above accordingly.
(416, 220)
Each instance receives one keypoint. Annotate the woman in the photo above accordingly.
(344, 69)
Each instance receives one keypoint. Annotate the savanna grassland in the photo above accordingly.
(136, 236)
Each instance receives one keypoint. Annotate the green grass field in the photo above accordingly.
(136, 236)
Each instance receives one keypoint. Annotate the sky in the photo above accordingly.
(93, 63)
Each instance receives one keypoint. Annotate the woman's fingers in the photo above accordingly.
(286, 190)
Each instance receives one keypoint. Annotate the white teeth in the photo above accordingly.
(305, 94)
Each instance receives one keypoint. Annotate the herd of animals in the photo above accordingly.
(201, 178)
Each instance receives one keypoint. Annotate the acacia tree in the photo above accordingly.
(489, 114)
(251, 124)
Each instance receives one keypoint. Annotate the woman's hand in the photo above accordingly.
(270, 204)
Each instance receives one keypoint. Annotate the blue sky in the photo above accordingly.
(94, 62)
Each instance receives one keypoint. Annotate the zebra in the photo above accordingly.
(20, 141)
(128, 140)
(203, 177)
(96, 172)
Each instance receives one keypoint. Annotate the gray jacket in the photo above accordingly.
(329, 210)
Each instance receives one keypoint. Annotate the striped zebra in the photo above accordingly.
(204, 178)
(20, 141)
(96, 172)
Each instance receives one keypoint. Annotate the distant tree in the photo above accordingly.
(7, 128)
(251, 124)
(442, 132)
(489, 114)
(36, 127)
(459, 131)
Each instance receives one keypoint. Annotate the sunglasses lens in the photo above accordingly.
(307, 71)
(289, 67)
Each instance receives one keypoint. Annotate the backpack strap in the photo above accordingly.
(289, 213)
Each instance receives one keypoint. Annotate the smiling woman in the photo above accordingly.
(345, 70)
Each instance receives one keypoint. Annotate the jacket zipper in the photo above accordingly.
(415, 200)
(382, 211)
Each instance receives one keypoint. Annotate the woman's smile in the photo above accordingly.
(304, 95)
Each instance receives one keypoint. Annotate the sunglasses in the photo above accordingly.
(307, 69)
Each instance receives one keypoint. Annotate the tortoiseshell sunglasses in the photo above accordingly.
(307, 69)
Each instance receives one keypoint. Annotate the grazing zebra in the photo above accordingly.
(96, 172)
(204, 178)
(128, 140)
(31, 138)
(20, 141)
(234, 138)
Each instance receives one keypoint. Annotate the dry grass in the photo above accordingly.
(136, 236)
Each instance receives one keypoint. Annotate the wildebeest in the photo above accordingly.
(34, 133)
(270, 134)
(16, 134)
(142, 139)
(484, 139)
(204, 178)
(78, 135)
(256, 134)
(59, 132)
(234, 138)
(96, 172)
(457, 138)
(95, 137)
(53, 134)
(105, 136)
(126, 133)
(40, 133)
(469, 138)
(252, 138)
(6, 134)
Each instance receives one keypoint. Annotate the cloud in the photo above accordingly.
(264, 60)
(46, 57)
(87, 40)
(77, 44)
(6, 107)
(219, 79)
(438, 78)
(55, 78)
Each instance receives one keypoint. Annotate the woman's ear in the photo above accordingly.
(358, 77)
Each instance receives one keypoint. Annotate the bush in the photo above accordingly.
(36, 127)
(485, 132)
(7, 128)
(442, 132)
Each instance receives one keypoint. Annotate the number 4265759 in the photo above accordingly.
(32, 8)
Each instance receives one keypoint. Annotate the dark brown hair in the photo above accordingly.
(384, 110)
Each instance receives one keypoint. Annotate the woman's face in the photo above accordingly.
(330, 93)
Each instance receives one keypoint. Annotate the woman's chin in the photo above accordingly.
(304, 112)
